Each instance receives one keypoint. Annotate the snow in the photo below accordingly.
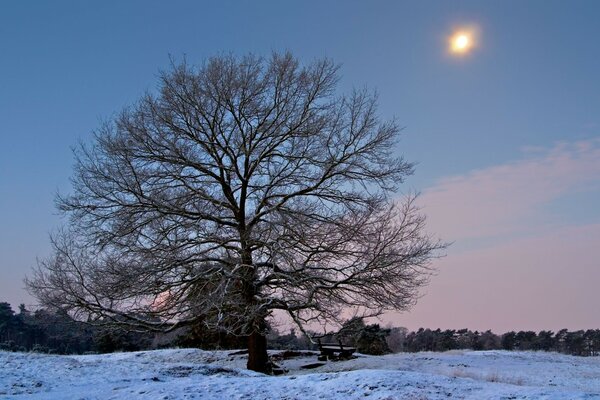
(196, 374)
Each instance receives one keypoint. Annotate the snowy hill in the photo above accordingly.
(196, 374)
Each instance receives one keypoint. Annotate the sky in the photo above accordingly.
(506, 138)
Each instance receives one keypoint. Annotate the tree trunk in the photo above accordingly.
(258, 360)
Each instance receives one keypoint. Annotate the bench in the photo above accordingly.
(335, 351)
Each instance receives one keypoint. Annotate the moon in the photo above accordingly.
(462, 41)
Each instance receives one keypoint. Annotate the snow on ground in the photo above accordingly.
(196, 374)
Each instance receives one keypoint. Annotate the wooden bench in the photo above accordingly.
(335, 351)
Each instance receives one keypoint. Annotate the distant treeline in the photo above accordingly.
(579, 343)
(56, 332)
(373, 339)
(49, 331)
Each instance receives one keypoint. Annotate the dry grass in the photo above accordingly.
(489, 377)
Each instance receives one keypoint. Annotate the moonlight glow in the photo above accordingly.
(461, 42)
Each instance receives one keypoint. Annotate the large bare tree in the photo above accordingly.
(240, 187)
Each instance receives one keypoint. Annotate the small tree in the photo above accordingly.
(372, 340)
(545, 341)
(368, 339)
(509, 340)
(242, 187)
(8, 322)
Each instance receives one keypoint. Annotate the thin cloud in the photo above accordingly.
(513, 264)
(509, 199)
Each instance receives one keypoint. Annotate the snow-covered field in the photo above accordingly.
(195, 374)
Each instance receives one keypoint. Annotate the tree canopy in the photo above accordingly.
(240, 187)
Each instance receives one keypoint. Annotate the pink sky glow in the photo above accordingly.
(514, 264)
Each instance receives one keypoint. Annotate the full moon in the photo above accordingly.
(461, 42)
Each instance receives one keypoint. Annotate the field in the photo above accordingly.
(195, 374)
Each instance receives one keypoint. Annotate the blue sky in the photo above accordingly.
(512, 117)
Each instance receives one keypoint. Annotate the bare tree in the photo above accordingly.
(242, 187)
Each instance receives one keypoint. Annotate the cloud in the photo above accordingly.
(516, 264)
(510, 199)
